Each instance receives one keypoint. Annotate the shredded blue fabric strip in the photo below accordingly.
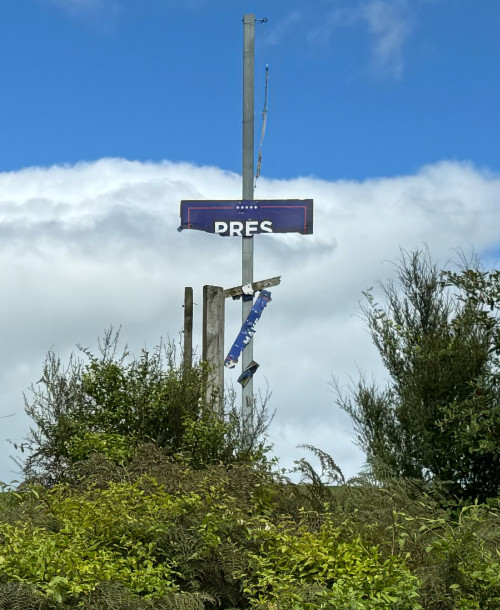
(247, 330)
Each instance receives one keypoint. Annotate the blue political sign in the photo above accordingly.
(248, 329)
(247, 218)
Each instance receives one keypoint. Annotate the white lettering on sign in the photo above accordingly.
(235, 228)
(220, 227)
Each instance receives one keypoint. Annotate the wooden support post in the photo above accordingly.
(213, 340)
(188, 329)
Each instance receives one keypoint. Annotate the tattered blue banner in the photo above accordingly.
(247, 330)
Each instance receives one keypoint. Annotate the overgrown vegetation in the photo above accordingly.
(438, 418)
(111, 403)
(140, 494)
(158, 534)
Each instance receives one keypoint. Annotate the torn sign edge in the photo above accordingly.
(248, 373)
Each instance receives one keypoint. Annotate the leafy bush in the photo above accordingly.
(464, 553)
(176, 541)
(154, 533)
(298, 568)
(143, 496)
(102, 535)
(111, 403)
(438, 416)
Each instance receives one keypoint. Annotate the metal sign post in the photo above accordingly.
(245, 218)
(247, 193)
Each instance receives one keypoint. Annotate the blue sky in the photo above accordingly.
(357, 88)
(385, 112)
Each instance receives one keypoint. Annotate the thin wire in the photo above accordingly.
(263, 130)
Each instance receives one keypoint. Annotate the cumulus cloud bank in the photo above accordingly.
(94, 244)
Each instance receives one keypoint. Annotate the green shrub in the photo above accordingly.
(102, 535)
(160, 535)
(113, 403)
(152, 540)
(296, 568)
(115, 447)
(464, 555)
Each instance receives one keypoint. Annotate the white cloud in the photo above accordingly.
(388, 24)
(95, 244)
(276, 34)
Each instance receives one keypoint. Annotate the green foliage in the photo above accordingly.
(314, 489)
(154, 533)
(297, 568)
(116, 447)
(144, 497)
(112, 403)
(438, 417)
(475, 423)
(465, 552)
(175, 541)
(102, 535)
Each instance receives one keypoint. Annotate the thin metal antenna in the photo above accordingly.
(263, 130)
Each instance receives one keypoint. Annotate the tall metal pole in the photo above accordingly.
(248, 182)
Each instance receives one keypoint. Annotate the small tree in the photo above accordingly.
(436, 418)
(111, 403)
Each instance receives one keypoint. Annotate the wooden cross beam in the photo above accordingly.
(239, 291)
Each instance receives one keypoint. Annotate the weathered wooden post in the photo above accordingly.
(213, 341)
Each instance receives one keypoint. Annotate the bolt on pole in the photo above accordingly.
(248, 185)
